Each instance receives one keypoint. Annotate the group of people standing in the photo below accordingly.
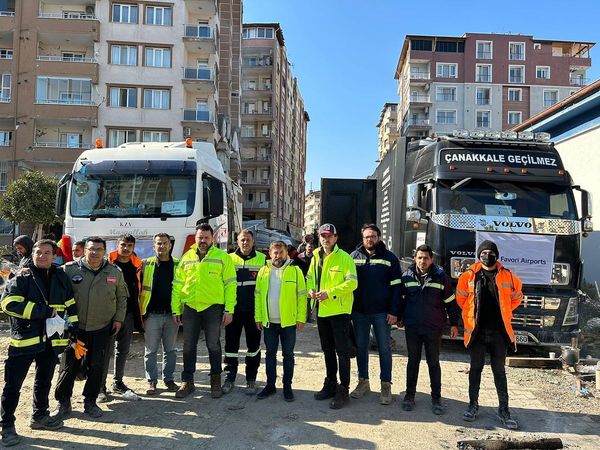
(90, 307)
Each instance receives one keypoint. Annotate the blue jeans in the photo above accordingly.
(160, 327)
(193, 322)
(272, 335)
(362, 327)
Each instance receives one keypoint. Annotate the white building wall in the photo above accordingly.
(536, 100)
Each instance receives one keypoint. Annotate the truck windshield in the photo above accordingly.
(490, 198)
(134, 189)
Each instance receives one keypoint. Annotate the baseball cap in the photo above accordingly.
(327, 228)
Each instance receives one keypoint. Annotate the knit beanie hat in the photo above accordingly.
(487, 245)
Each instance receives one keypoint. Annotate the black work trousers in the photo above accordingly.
(96, 343)
(242, 320)
(415, 341)
(494, 343)
(334, 333)
(15, 372)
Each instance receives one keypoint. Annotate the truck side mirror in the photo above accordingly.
(413, 216)
(60, 206)
(212, 196)
(586, 204)
(412, 196)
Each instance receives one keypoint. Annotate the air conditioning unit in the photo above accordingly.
(90, 9)
(187, 132)
(235, 94)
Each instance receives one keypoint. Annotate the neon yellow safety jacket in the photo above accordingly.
(201, 284)
(292, 297)
(337, 278)
(148, 266)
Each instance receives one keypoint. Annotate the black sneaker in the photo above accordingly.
(46, 423)
(62, 410)
(103, 396)
(471, 413)
(437, 407)
(119, 387)
(327, 391)
(92, 410)
(267, 391)
(408, 404)
(10, 437)
(288, 394)
(506, 419)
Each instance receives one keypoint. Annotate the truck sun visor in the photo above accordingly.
(125, 167)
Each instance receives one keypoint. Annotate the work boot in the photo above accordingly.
(91, 409)
(227, 386)
(119, 387)
(10, 437)
(386, 393)
(506, 419)
(251, 388)
(215, 386)
(288, 394)
(151, 389)
(437, 407)
(171, 386)
(46, 423)
(471, 413)
(267, 391)
(363, 387)
(408, 404)
(186, 389)
(62, 410)
(327, 391)
(341, 397)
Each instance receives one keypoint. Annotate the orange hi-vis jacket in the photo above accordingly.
(467, 298)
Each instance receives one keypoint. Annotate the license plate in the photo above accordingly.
(522, 338)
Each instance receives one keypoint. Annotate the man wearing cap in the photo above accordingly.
(488, 294)
(331, 280)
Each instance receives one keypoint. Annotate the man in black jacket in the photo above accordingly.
(377, 305)
(39, 292)
(427, 302)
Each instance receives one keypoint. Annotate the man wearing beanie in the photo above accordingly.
(488, 293)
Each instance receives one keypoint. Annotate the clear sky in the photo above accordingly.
(344, 54)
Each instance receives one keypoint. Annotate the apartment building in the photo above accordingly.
(484, 81)
(312, 212)
(273, 135)
(388, 129)
(72, 71)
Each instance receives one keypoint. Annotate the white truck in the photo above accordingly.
(146, 188)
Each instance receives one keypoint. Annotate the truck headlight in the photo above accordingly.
(572, 312)
(561, 274)
(551, 303)
(458, 265)
(548, 321)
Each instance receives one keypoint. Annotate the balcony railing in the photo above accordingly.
(417, 122)
(256, 205)
(483, 78)
(68, 15)
(7, 14)
(579, 81)
(516, 56)
(484, 55)
(418, 98)
(261, 181)
(62, 145)
(60, 58)
(65, 101)
(265, 61)
(198, 32)
(191, 73)
(264, 89)
(192, 115)
(419, 75)
(257, 158)
(518, 80)
(257, 112)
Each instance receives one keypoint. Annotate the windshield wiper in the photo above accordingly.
(461, 183)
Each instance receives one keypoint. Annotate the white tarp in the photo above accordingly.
(529, 256)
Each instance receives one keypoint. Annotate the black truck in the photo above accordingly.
(453, 191)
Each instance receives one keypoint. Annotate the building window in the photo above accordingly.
(516, 74)
(6, 53)
(258, 33)
(73, 56)
(118, 137)
(124, 13)
(251, 85)
(70, 140)
(484, 119)
(514, 117)
(248, 131)
(5, 137)
(537, 46)
(550, 97)
(159, 15)
(515, 95)
(157, 57)
(483, 73)
(123, 97)
(516, 51)
(421, 45)
(63, 91)
(157, 98)
(3, 176)
(445, 117)
(445, 94)
(542, 72)
(249, 108)
(266, 106)
(155, 136)
(483, 96)
(484, 50)
(5, 87)
(447, 70)
(124, 55)
(6, 227)
(449, 46)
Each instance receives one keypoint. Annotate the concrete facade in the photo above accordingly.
(388, 129)
(483, 81)
(273, 138)
(312, 212)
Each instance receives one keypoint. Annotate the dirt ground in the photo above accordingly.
(544, 402)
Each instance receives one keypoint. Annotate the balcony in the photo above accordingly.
(416, 125)
(73, 15)
(199, 121)
(419, 76)
(257, 182)
(578, 81)
(420, 98)
(69, 108)
(7, 21)
(69, 24)
(199, 38)
(208, 7)
(257, 115)
(256, 205)
(69, 65)
(257, 64)
(257, 93)
(255, 161)
(62, 145)
(200, 80)
(258, 139)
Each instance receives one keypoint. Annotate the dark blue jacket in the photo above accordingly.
(428, 302)
(378, 281)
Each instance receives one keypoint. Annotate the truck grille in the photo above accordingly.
(532, 301)
(523, 320)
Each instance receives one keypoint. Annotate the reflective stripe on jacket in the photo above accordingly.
(509, 295)
(201, 284)
(28, 308)
(246, 271)
(148, 266)
(292, 297)
(338, 279)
